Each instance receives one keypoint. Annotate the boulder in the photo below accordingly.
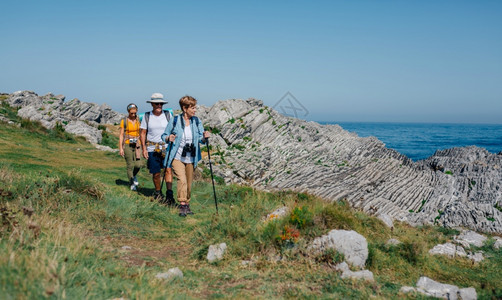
(469, 237)
(498, 242)
(347, 273)
(468, 294)
(170, 274)
(476, 257)
(91, 134)
(433, 288)
(448, 249)
(350, 243)
(215, 252)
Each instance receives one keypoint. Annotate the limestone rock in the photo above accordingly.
(433, 288)
(170, 274)
(407, 289)
(454, 187)
(386, 219)
(468, 294)
(469, 237)
(350, 243)
(278, 213)
(476, 257)
(91, 134)
(347, 273)
(393, 242)
(448, 249)
(216, 252)
(498, 242)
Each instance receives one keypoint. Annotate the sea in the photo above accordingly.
(420, 140)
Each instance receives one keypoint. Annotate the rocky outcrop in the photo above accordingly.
(76, 117)
(429, 287)
(351, 244)
(255, 145)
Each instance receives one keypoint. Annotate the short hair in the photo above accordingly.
(187, 101)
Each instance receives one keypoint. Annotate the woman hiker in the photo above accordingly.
(186, 132)
(129, 144)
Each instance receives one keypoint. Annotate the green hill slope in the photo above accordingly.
(67, 213)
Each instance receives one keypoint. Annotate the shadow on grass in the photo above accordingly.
(121, 182)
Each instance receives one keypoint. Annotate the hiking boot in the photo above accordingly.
(135, 181)
(189, 211)
(183, 210)
(170, 199)
(134, 187)
(157, 196)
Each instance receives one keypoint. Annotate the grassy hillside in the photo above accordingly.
(67, 211)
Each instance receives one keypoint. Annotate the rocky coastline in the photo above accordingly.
(257, 146)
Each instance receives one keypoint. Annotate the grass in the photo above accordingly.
(70, 245)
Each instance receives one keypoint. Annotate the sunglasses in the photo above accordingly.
(158, 104)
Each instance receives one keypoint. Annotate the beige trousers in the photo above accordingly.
(184, 173)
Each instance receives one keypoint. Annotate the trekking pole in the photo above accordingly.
(212, 178)
(165, 168)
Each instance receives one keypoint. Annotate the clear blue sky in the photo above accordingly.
(416, 61)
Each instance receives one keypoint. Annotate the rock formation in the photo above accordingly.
(255, 145)
(76, 117)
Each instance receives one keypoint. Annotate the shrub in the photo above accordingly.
(300, 217)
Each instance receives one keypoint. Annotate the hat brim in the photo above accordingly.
(157, 101)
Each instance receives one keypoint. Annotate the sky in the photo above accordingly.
(379, 61)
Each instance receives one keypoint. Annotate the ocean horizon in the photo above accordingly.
(421, 140)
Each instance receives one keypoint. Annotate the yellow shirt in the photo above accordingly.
(132, 130)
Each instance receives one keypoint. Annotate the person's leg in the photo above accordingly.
(129, 158)
(154, 164)
(181, 190)
(189, 175)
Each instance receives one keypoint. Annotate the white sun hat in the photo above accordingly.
(157, 98)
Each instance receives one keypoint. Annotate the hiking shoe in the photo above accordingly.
(135, 181)
(188, 210)
(157, 195)
(134, 187)
(170, 199)
(183, 210)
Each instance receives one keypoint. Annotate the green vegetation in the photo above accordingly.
(448, 172)
(66, 212)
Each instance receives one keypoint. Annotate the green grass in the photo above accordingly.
(83, 213)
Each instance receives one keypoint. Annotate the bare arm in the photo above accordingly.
(143, 142)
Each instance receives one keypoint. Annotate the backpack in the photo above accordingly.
(146, 115)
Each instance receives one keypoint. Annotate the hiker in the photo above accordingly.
(154, 148)
(129, 144)
(186, 131)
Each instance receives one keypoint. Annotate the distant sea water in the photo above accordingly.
(420, 140)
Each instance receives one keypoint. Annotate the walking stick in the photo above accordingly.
(212, 178)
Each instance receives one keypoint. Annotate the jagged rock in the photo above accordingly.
(278, 213)
(433, 288)
(350, 243)
(91, 134)
(449, 250)
(469, 237)
(216, 252)
(498, 242)
(170, 274)
(476, 257)
(456, 187)
(393, 242)
(347, 273)
(51, 109)
(386, 219)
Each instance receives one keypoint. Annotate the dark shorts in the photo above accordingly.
(155, 162)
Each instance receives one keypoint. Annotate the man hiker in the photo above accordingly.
(187, 133)
(154, 148)
(129, 144)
